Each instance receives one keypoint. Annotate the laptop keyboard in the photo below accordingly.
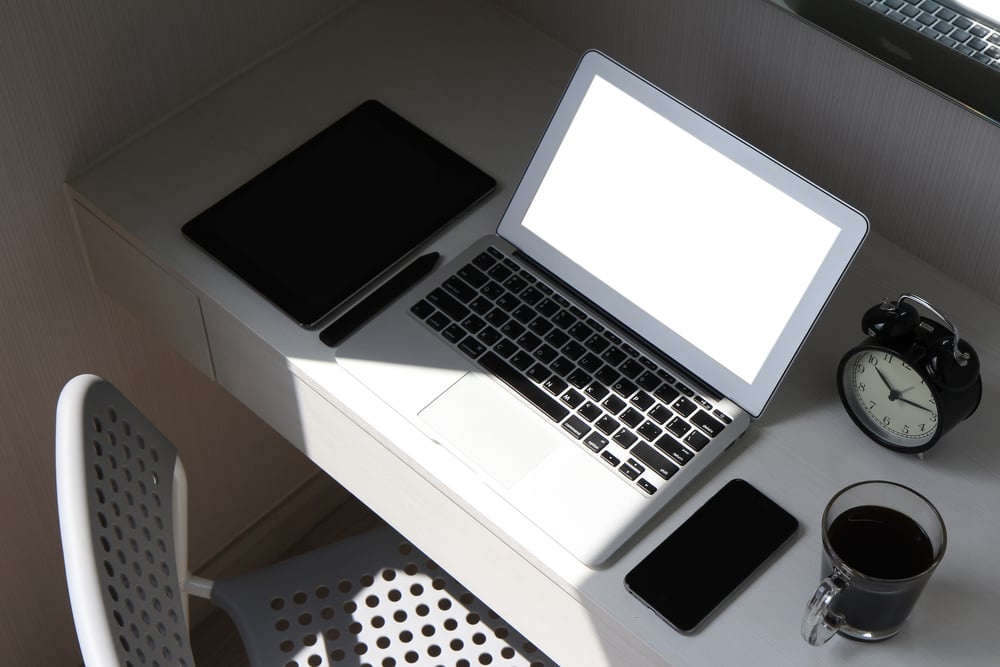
(943, 24)
(624, 408)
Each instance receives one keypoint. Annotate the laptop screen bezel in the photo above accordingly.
(750, 396)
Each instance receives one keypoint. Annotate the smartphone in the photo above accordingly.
(702, 563)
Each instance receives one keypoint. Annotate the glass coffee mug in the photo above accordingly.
(881, 542)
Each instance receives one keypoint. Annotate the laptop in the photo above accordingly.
(647, 288)
(952, 46)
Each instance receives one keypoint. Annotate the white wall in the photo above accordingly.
(926, 171)
(77, 78)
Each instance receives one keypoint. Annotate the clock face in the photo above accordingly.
(890, 399)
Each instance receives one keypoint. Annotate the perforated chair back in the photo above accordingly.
(368, 600)
(115, 477)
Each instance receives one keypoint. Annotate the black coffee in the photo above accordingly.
(881, 542)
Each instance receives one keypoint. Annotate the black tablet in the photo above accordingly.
(321, 223)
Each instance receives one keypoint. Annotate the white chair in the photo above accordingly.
(368, 600)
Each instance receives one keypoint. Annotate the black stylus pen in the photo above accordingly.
(365, 309)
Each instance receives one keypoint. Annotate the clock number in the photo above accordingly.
(886, 420)
(872, 360)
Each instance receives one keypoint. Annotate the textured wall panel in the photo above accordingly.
(77, 78)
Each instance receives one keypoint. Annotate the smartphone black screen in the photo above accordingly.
(707, 558)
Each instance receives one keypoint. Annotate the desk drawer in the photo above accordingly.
(121, 270)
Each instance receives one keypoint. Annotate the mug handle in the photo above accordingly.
(820, 622)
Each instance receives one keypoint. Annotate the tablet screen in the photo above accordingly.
(321, 223)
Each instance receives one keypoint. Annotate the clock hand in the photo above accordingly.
(885, 381)
(916, 405)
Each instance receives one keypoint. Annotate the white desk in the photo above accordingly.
(484, 83)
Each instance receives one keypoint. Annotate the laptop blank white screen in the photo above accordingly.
(715, 258)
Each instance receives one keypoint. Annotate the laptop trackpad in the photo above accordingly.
(491, 428)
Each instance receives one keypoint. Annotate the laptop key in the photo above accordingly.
(646, 486)
(524, 313)
(596, 391)
(631, 368)
(660, 414)
(625, 438)
(596, 441)
(545, 354)
(505, 348)
(515, 284)
(484, 260)
(611, 458)
(656, 461)
(649, 431)
(666, 393)
(540, 326)
(678, 427)
(589, 411)
(473, 276)
(632, 417)
(499, 272)
(590, 362)
(473, 324)
(512, 329)
(684, 406)
(573, 350)
(613, 404)
(579, 378)
(459, 289)
(529, 341)
(481, 305)
(696, 440)
(522, 360)
(471, 347)
(532, 295)
(563, 320)
(607, 375)
(642, 400)
(648, 381)
(607, 425)
(538, 373)
(562, 366)
(556, 338)
(597, 343)
(576, 427)
(580, 331)
(489, 335)
(497, 317)
(438, 321)
(624, 388)
(523, 386)
(547, 307)
(448, 305)
(422, 309)
(629, 471)
(572, 398)
(508, 302)
(707, 423)
(555, 386)
(674, 449)
(453, 333)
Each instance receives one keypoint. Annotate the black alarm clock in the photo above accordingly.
(912, 380)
